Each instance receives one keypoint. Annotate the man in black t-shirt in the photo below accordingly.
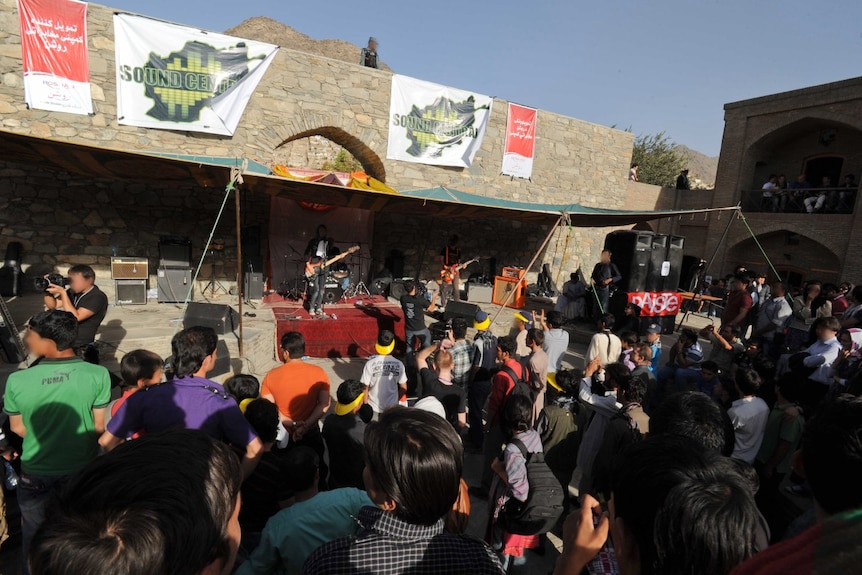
(86, 302)
(438, 383)
(414, 307)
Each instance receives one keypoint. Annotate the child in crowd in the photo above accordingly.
(511, 482)
(139, 368)
(243, 388)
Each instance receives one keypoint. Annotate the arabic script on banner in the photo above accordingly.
(54, 49)
(520, 141)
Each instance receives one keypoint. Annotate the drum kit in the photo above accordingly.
(340, 281)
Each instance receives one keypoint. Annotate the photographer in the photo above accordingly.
(84, 300)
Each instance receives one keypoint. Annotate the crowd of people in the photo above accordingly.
(645, 461)
(777, 195)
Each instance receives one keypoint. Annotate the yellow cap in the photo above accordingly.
(341, 409)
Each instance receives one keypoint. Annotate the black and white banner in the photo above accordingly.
(434, 124)
(173, 77)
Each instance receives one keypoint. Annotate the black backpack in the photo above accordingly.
(544, 504)
(522, 386)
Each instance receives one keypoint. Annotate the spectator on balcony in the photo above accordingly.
(368, 56)
(633, 173)
(816, 203)
(846, 194)
(780, 194)
(682, 182)
(798, 193)
(768, 195)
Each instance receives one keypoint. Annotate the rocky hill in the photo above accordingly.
(702, 168)
(265, 29)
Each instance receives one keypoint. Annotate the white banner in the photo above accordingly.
(434, 124)
(176, 78)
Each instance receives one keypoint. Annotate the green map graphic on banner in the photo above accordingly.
(442, 123)
(185, 82)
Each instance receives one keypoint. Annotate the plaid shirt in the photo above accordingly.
(462, 362)
(388, 545)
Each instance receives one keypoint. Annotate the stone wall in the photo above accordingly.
(63, 219)
(300, 94)
(575, 161)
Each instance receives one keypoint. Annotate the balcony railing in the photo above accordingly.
(801, 201)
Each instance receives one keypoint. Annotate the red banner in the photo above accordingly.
(54, 46)
(520, 141)
(654, 304)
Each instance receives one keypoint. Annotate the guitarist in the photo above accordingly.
(316, 251)
(450, 258)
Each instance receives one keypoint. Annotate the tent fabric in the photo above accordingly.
(578, 214)
(215, 172)
(252, 167)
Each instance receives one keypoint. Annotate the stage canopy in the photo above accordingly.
(215, 172)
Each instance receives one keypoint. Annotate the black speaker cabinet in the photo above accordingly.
(175, 253)
(173, 284)
(222, 318)
(658, 255)
(461, 309)
(675, 257)
(130, 292)
(631, 251)
(396, 289)
(252, 286)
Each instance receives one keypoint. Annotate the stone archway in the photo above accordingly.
(371, 162)
(787, 250)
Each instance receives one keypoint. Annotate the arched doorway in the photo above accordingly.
(797, 257)
(321, 149)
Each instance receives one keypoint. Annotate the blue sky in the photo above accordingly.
(653, 66)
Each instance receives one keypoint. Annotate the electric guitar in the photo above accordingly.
(312, 270)
(448, 273)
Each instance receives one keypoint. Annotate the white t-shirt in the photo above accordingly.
(382, 374)
(749, 416)
(556, 344)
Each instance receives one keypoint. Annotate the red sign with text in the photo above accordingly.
(54, 50)
(654, 304)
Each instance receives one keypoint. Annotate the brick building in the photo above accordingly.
(816, 131)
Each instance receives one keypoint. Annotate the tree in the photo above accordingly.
(659, 162)
(343, 162)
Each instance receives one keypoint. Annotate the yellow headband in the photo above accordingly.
(341, 409)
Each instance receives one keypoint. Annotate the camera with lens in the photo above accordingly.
(56, 279)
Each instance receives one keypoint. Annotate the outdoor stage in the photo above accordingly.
(349, 329)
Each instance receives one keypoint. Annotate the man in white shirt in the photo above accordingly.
(821, 355)
(773, 317)
(749, 415)
(384, 375)
(556, 339)
(604, 345)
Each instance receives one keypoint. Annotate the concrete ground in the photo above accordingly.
(151, 326)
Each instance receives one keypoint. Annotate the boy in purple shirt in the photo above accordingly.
(189, 401)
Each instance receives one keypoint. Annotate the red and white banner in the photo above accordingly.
(54, 46)
(654, 304)
(520, 141)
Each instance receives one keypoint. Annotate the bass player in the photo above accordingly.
(315, 252)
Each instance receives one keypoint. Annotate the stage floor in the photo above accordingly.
(349, 328)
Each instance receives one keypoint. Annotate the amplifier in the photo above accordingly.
(129, 268)
(513, 272)
(252, 287)
(479, 293)
(173, 284)
(503, 285)
(130, 292)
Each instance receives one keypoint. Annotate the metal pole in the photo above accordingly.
(239, 285)
(529, 266)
